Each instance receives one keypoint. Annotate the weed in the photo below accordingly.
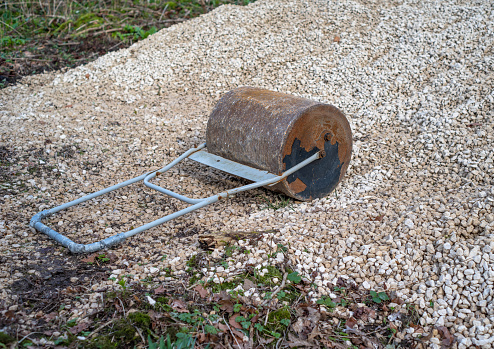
(379, 297)
(102, 258)
(229, 249)
(141, 320)
(294, 277)
(244, 322)
(276, 320)
(267, 277)
(123, 283)
(6, 338)
(184, 341)
(327, 302)
(281, 201)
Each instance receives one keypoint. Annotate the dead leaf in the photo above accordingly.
(447, 338)
(223, 328)
(398, 301)
(50, 316)
(474, 124)
(351, 322)
(240, 336)
(10, 315)
(263, 341)
(202, 337)
(159, 290)
(89, 259)
(298, 326)
(417, 328)
(234, 323)
(201, 290)
(179, 306)
(248, 284)
(377, 218)
(297, 342)
(87, 76)
(336, 38)
(314, 315)
(226, 306)
(225, 295)
(79, 328)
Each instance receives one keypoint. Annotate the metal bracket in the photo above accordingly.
(262, 178)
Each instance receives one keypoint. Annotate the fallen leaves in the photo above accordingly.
(447, 339)
(179, 306)
(203, 293)
(79, 328)
(233, 322)
(159, 290)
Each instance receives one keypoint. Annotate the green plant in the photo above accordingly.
(102, 258)
(237, 307)
(379, 297)
(281, 201)
(210, 329)
(6, 338)
(123, 283)
(243, 321)
(327, 302)
(184, 341)
(294, 277)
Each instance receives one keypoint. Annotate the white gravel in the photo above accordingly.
(415, 213)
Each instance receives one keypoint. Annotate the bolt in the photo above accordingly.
(327, 137)
(322, 154)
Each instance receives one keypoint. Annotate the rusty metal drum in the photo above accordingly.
(274, 131)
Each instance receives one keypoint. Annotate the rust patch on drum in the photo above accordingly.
(298, 186)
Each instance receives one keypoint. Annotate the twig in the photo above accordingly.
(278, 289)
(123, 308)
(100, 328)
(267, 316)
(162, 13)
(140, 334)
(107, 31)
(27, 335)
(235, 338)
(11, 27)
(91, 29)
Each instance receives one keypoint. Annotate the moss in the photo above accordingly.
(141, 320)
(172, 332)
(5, 338)
(267, 279)
(124, 331)
(274, 319)
(230, 285)
(290, 295)
(102, 342)
(192, 262)
(162, 303)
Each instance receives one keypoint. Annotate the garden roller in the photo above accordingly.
(285, 143)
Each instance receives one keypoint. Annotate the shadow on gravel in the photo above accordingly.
(55, 278)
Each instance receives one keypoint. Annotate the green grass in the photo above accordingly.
(43, 35)
(26, 20)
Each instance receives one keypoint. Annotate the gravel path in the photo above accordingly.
(414, 215)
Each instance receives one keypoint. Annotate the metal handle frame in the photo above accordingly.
(196, 204)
